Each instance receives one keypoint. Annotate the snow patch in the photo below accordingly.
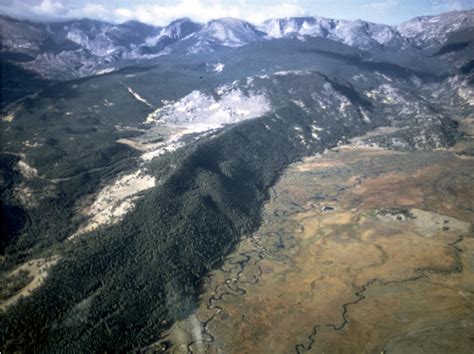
(383, 76)
(314, 132)
(299, 103)
(107, 103)
(365, 116)
(463, 88)
(199, 113)
(9, 117)
(26, 170)
(106, 71)
(387, 93)
(360, 34)
(29, 144)
(291, 72)
(217, 68)
(139, 98)
(200, 108)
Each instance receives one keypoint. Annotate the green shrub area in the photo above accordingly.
(17, 82)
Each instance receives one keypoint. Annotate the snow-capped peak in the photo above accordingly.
(89, 46)
(180, 28)
(230, 32)
(428, 31)
(176, 30)
(360, 34)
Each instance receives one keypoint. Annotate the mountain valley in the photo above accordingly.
(161, 184)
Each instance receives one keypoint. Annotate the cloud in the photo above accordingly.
(49, 7)
(46, 9)
(378, 11)
(156, 14)
(439, 6)
(381, 6)
(91, 10)
(162, 12)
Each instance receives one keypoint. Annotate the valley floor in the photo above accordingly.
(360, 250)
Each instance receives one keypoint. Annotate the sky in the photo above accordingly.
(161, 12)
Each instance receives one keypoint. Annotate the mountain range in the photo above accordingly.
(78, 48)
